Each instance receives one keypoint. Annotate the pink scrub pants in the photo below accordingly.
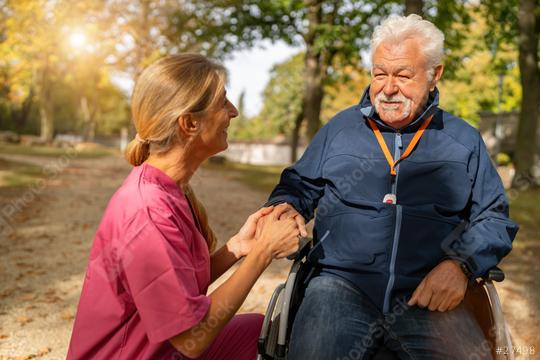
(237, 341)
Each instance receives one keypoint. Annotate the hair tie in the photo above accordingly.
(141, 140)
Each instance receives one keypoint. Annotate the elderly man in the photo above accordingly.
(409, 209)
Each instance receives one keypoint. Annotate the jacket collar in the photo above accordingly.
(368, 109)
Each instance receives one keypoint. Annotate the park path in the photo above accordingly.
(43, 256)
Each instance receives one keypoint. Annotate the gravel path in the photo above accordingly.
(43, 254)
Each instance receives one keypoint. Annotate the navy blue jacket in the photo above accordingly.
(450, 201)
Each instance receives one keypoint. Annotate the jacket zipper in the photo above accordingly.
(398, 145)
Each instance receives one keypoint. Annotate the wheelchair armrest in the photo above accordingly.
(303, 250)
(265, 330)
(494, 274)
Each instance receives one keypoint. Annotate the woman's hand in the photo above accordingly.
(278, 235)
(242, 243)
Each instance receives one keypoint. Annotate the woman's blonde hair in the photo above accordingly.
(173, 86)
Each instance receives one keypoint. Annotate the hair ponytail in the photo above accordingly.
(137, 152)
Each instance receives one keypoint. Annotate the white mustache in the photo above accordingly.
(394, 98)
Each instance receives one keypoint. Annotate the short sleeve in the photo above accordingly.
(161, 276)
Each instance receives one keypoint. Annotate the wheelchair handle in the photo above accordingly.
(303, 249)
(494, 274)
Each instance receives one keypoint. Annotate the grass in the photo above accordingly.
(20, 174)
(17, 174)
(525, 209)
(258, 177)
(50, 151)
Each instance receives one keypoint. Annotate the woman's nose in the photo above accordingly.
(233, 111)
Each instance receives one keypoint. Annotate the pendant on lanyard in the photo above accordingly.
(391, 198)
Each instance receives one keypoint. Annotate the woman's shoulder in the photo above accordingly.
(141, 197)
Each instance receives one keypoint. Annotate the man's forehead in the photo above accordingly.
(397, 68)
(405, 55)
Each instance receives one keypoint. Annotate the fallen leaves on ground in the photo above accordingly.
(41, 352)
(23, 320)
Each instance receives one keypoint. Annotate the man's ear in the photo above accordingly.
(436, 76)
(188, 125)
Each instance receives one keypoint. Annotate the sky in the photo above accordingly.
(249, 70)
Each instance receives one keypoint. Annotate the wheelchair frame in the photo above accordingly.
(275, 332)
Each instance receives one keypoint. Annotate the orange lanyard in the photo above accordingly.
(407, 151)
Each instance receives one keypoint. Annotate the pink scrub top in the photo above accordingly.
(147, 276)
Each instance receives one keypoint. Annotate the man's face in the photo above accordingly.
(399, 81)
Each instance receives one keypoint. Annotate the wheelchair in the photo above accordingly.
(481, 300)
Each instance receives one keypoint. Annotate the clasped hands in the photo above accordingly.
(276, 228)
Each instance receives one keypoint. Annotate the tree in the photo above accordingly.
(526, 146)
(283, 98)
(414, 7)
(519, 21)
(333, 33)
(29, 49)
(121, 35)
(474, 86)
(329, 31)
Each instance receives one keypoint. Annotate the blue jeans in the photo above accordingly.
(336, 321)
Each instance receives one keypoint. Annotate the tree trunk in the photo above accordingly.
(47, 120)
(89, 119)
(46, 108)
(526, 148)
(144, 44)
(315, 71)
(414, 7)
(313, 95)
(22, 117)
(295, 138)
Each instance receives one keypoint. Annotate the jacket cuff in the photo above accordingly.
(285, 199)
(465, 267)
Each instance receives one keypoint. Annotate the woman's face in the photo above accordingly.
(214, 128)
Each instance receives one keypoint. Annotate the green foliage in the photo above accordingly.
(465, 90)
(525, 211)
(42, 71)
(282, 99)
(343, 28)
(474, 86)
(502, 19)
(503, 159)
(454, 18)
(16, 174)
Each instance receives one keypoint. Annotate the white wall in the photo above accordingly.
(260, 153)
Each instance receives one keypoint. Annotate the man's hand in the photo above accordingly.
(442, 289)
(240, 244)
(300, 221)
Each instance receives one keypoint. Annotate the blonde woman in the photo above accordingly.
(152, 260)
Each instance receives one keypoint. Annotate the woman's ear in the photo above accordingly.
(188, 125)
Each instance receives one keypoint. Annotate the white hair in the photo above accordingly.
(398, 28)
